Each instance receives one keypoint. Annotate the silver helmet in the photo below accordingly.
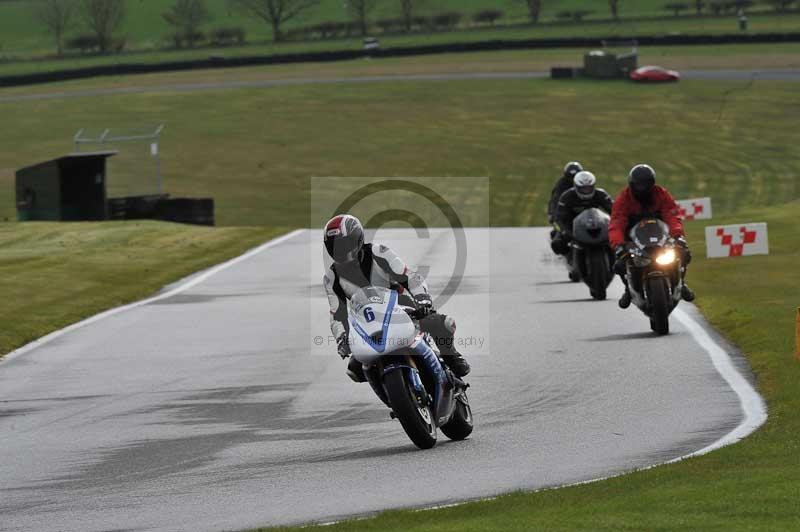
(585, 184)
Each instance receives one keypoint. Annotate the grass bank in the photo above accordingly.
(254, 150)
(52, 274)
(751, 486)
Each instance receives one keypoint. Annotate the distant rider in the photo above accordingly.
(564, 183)
(642, 198)
(584, 195)
(356, 265)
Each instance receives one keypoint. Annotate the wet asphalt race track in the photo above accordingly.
(212, 409)
(746, 76)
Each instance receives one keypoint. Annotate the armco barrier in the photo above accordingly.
(197, 211)
(135, 207)
(342, 55)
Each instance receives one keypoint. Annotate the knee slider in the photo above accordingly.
(449, 324)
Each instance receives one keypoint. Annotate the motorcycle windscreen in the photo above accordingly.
(377, 325)
(591, 227)
(375, 295)
(650, 232)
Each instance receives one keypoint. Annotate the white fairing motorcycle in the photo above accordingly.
(403, 367)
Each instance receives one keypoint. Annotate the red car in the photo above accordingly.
(654, 74)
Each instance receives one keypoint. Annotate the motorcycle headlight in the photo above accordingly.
(666, 258)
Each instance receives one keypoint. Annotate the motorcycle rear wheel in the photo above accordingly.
(659, 301)
(416, 418)
(460, 424)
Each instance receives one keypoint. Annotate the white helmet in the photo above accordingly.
(584, 184)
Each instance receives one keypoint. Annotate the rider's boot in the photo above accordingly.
(625, 300)
(687, 293)
(457, 363)
(355, 371)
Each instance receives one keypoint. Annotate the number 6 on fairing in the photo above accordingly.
(369, 315)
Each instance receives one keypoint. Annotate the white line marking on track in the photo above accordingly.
(182, 286)
(752, 404)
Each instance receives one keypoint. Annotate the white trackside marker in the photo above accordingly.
(737, 240)
(190, 282)
(695, 209)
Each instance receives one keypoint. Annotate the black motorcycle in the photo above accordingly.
(590, 258)
(654, 271)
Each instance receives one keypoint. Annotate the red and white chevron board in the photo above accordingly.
(695, 209)
(736, 240)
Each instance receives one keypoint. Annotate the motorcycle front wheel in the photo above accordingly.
(658, 293)
(415, 417)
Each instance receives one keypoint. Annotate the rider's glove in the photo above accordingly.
(424, 304)
(343, 346)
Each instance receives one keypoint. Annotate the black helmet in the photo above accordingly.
(641, 180)
(571, 169)
(344, 238)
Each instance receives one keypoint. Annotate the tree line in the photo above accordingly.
(103, 18)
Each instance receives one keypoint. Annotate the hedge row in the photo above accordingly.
(444, 21)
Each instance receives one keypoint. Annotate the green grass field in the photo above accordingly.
(255, 149)
(25, 48)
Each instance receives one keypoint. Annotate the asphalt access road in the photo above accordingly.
(214, 409)
(730, 75)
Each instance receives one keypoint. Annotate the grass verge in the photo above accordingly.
(753, 486)
(253, 150)
(55, 274)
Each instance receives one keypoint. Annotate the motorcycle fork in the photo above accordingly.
(374, 377)
(416, 381)
(656, 274)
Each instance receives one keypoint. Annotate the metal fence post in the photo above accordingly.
(106, 137)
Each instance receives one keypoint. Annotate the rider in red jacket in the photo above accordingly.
(640, 199)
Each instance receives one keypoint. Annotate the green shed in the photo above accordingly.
(69, 188)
